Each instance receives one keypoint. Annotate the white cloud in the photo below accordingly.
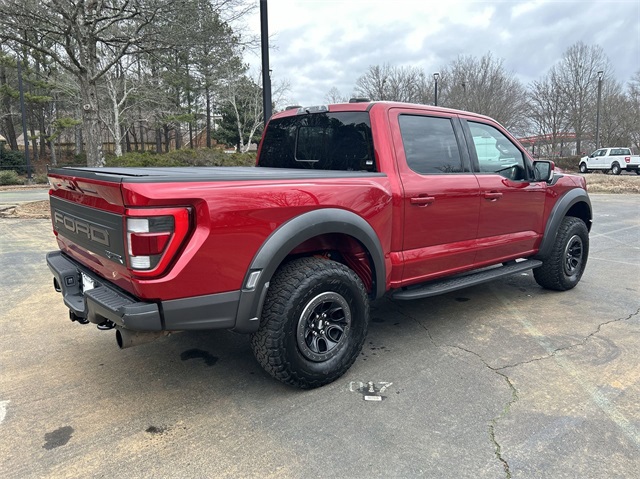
(322, 44)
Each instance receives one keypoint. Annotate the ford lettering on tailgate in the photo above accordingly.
(93, 232)
(97, 231)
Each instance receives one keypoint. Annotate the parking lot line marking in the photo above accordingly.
(613, 232)
(614, 261)
(3, 410)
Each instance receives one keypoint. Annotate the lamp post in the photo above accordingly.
(266, 77)
(600, 73)
(436, 76)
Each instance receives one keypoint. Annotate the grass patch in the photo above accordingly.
(621, 184)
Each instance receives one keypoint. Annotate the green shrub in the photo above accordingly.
(569, 163)
(140, 159)
(10, 177)
(79, 160)
(183, 157)
(41, 179)
(13, 160)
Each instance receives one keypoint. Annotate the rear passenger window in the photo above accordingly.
(430, 144)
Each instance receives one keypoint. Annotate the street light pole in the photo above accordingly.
(266, 72)
(600, 73)
(436, 76)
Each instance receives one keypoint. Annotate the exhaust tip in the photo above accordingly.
(119, 339)
(126, 338)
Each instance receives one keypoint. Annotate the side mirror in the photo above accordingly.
(544, 170)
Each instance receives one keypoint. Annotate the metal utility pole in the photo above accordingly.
(266, 75)
(600, 73)
(436, 76)
(24, 121)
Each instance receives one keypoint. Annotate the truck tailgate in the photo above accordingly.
(87, 219)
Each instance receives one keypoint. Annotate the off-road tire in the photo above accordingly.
(583, 168)
(563, 268)
(615, 168)
(279, 345)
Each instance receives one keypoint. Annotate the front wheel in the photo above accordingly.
(563, 268)
(615, 169)
(583, 168)
(314, 323)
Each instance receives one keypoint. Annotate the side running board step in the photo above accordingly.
(434, 288)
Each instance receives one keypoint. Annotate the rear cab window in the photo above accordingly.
(321, 141)
(620, 152)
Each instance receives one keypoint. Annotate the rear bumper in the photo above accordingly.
(107, 302)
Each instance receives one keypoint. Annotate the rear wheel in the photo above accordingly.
(313, 324)
(563, 268)
(615, 168)
(583, 168)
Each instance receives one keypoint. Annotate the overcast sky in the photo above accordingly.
(317, 45)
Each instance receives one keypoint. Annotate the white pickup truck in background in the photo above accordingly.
(613, 159)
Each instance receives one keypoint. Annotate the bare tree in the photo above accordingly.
(482, 85)
(633, 116)
(372, 84)
(335, 96)
(578, 81)
(614, 111)
(390, 83)
(120, 86)
(547, 108)
(243, 116)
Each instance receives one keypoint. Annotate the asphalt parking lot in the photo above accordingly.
(495, 381)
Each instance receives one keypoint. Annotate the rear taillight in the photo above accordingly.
(154, 237)
(627, 159)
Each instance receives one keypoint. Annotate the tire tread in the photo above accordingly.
(268, 343)
(551, 274)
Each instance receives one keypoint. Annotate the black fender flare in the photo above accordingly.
(560, 209)
(291, 234)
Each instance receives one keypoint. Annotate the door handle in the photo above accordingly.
(492, 195)
(422, 200)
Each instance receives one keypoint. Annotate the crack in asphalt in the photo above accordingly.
(505, 410)
(498, 370)
(582, 342)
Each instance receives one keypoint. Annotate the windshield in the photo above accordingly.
(321, 141)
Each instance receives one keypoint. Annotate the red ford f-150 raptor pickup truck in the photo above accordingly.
(347, 203)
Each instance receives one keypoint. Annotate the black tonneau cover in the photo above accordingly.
(205, 173)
